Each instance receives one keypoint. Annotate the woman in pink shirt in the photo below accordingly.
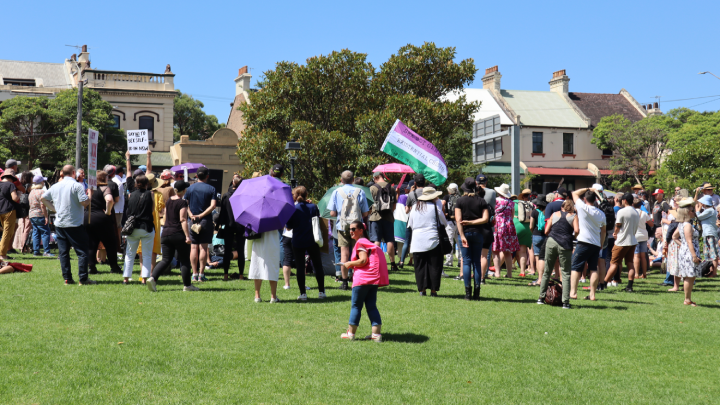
(369, 272)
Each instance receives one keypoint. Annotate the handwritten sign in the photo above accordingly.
(92, 157)
(137, 141)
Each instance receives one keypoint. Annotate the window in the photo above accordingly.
(19, 82)
(607, 152)
(149, 124)
(568, 144)
(537, 142)
(116, 121)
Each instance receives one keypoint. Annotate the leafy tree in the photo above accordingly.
(693, 141)
(25, 129)
(637, 147)
(190, 119)
(97, 114)
(340, 109)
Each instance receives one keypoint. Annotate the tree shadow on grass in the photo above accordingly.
(402, 282)
(330, 298)
(397, 290)
(462, 297)
(709, 305)
(578, 306)
(404, 338)
(629, 302)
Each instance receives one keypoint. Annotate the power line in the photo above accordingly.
(704, 103)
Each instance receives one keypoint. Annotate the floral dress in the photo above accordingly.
(685, 266)
(506, 239)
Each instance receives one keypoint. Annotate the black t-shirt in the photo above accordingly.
(471, 208)
(140, 205)
(6, 201)
(535, 230)
(173, 225)
(114, 190)
(658, 209)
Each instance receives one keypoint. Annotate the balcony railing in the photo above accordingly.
(129, 80)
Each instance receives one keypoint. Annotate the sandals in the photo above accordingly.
(692, 304)
(534, 284)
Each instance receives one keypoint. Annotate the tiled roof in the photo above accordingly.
(52, 74)
(542, 109)
(597, 105)
(488, 107)
(235, 120)
(546, 171)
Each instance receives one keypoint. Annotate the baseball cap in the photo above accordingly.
(109, 169)
(166, 175)
(38, 179)
(481, 178)
(278, 169)
(143, 168)
(452, 186)
(10, 163)
(419, 177)
(137, 173)
(562, 191)
(658, 191)
(597, 187)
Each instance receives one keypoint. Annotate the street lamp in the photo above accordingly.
(293, 147)
(702, 73)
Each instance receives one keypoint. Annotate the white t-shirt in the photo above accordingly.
(642, 234)
(592, 219)
(629, 219)
(424, 227)
(120, 205)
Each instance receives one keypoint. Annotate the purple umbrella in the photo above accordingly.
(262, 204)
(192, 167)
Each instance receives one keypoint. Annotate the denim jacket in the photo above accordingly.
(707, 219)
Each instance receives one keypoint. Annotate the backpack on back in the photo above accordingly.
(385, 199)
(450, 206)
(608, 209)
(350, 210)
(541, 220)
(524, 211)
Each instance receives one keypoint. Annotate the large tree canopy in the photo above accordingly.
(340, 109)
(190, 119)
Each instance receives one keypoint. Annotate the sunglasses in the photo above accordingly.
(353, 229)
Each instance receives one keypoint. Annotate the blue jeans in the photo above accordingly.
(471, 256)
(406, 245)
(364, 295)
(40, 232)
(336, 252)
(77, 238)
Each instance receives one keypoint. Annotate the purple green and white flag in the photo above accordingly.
(415, 151)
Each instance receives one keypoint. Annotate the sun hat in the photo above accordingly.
(503, 190)
(9, 173)
(706, 200)
(429, 194)
(469, 185)
(526, 191)
(152, 181)
(541, 201)
(166, 175)
(637, 186)
(686, 202)
(658, 191)
(514, 197)
(38, 179)
(707, 186)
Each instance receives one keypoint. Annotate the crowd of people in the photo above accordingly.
(565, 238)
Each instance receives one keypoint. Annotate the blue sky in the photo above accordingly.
(651, 48)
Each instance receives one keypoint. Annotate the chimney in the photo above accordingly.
(84, 56)
(242, 82)
(491, 80)
(560, 82)
(653, 110)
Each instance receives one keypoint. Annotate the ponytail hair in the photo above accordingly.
(300, 194)
(361, 225)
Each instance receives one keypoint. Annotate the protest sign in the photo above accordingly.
(137, 141)
(92, 157)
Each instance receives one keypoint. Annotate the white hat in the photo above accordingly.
(686, 202)
(429, 193)
(597, 187)
(451, 187)
(503, 190)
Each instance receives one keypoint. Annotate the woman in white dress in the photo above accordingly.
(265, 263)
(686, 238)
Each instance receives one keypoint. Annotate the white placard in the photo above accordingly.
(137, 141)
(92, 157)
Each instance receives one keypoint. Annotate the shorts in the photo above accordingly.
(585, 253)
(606, 253)
(286, 246)
(541, 255)
(711, 248)
(623, 252)
(206, 233)
(382, 231)
(641, 247)
(488, 239)
(537, 240)
(344, 240)
(118, 219)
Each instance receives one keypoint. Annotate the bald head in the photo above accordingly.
(68, 170)
(347, 177)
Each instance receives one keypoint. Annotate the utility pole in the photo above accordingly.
(78, 136)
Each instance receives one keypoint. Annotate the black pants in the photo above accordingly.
(428, 269)
(77, 238)
(102, 229)
(234, 240)
(171, 244)
(316, 259)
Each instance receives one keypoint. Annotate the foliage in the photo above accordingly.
(340, 109)
(694, 144)
(190, 119)
(637, 147)
(23, 121)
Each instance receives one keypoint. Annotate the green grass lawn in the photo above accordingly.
(115, 344)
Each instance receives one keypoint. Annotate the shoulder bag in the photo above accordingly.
(317, 233)
(445, 244)
(129, 226)
(553, 296)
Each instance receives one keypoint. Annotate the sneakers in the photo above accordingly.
(566, 306)
(540, 301)
(195, 277)
(286, 287)
(347, 335)
(151, 284)
(191, 288)
(447, 264)
(444, 275)
(612, 284)
(274, 300)
(458, 278)
(302, 297)
(68, 282)
(203, 278)
(88, 282)
(582, 280)
(375, 337)
(36, 254)
(394, 267)
(258, 300)
(629, 289)
(47, 255)
(322, 296)
(344, 286)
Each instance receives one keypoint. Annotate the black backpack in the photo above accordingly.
(609, 209)
(450, 205)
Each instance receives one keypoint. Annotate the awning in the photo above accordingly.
(548, 171)
(499, 168)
